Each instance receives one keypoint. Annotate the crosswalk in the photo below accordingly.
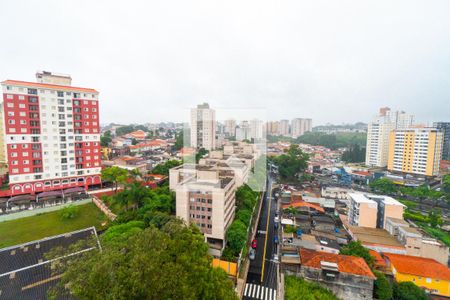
(255, 291)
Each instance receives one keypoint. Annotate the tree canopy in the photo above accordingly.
(355, 248)
(167, 263)
(292, 163)
(408, 291)
(354, 154)
(163, 169)
(115, 175)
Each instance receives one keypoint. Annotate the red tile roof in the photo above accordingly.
(49, 86)
(346, 264)
(152, 143)
(304, 204)
(379, 261)
(419, 266)
(362, 173)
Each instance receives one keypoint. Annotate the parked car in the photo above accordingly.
(276, 219)
(254, 244)
(275, 239)
(252, 254)
(275, 225)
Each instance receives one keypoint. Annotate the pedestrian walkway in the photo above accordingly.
(255, 291)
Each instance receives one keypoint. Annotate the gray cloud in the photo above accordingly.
(333, 61)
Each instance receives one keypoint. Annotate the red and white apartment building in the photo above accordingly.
(51, 134)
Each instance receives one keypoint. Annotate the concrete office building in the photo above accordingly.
(203, 127)
(230, 127)
(283, 128)
(444, 127)
(416, 151)
(299, 126)
(378, 132)
(367, 210)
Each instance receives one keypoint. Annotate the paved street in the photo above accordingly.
(261, 280)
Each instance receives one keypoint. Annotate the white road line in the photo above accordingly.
(254, 291)
(246, 289)
(274, 294)
(270, 295)
(250, 290)
(266, 292)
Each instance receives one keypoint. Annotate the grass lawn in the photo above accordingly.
(438, 233)
(47, 224)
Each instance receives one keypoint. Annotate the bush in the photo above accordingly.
(408, 291)
(298, 288)
(382, 287)
(69, 212)
(236, 236)
(244, 216)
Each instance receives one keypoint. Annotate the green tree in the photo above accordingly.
(236, 236)
(134, 141)
(355, 248)
(106, 139)
(435, 217)
(171, 263)
(134, 195)
(163, 169)
(383, 185)
(69, 212)
(120, 232)
(292, 163)
(354, 154)
(124, 130)
(382, 287)
(408, 291)
(115, 175)
(200, 154)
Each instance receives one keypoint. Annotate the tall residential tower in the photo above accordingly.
(51, 134)
(378, 132)
(203, 127)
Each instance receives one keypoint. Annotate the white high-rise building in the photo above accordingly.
(284, 128)
(299, 126)
(378, 132)
(203, 127)
(230, 127)
(256, 129)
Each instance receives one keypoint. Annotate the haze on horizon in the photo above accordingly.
(332, 61)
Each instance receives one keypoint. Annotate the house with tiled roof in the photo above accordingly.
(348, 277)
(138, 135)
(424, 272)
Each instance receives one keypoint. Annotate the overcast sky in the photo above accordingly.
(332, 61)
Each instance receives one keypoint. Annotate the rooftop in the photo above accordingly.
(346, 264)
(374, 236)
(25, 271)
(48, 86)
(419, 266)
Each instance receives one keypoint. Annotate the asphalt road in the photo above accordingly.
(259, 285)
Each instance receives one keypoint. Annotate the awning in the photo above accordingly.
(74, 190)
(21, 198)
(50, 194)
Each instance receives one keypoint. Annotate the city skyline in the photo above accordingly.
(162, 61)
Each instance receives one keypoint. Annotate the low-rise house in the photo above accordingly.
(348, 277)
(415, 243)
(424, 272)
(323, 223)
(376, 239)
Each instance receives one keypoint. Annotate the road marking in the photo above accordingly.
(265, 243)
(255, 291)
(262, 232)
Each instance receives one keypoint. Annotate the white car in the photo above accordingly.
(252, 254)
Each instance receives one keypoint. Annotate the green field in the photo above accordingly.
(47, 224)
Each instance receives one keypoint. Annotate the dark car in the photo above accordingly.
(275, 225)
(275, 239)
